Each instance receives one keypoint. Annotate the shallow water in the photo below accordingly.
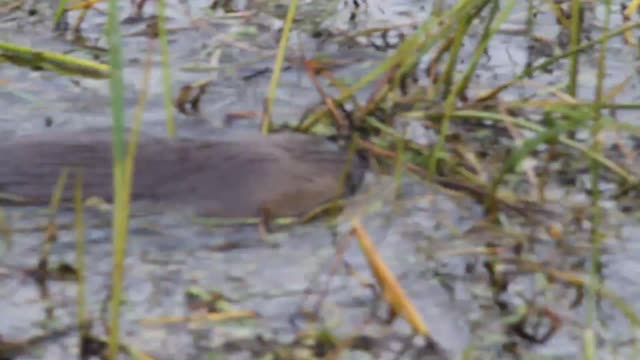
(427, 238)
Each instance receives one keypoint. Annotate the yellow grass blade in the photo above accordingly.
(392, 292)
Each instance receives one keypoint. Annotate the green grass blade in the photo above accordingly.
(166, 70)
(48, 60)
(78, 227)
(277, 66)
(460, 85)
(121, 203)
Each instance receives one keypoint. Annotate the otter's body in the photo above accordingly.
(238, 176)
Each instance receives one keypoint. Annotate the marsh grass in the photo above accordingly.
(60, 10)
(166, 69)
(120, 189)
(595, 276)
(79, 228)
(126, 166)
(48, 60)
(492, 183)
(401, 62)
(574, 38)
(461, 85)
(565, 116)
(277, 67)
(54, 206)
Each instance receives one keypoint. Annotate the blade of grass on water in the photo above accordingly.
(78, 227)
(461, 84)
(392, 291)
(166, 73)
(49, 60)
(277, 66)
(62, 4)
(129, 160)
(121, 206)
(575, 42)
(589, 344)
(54, 205)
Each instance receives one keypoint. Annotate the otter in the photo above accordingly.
(240, 175)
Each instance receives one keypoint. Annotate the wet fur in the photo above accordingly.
(286, 173)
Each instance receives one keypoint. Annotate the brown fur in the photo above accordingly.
(236, 176)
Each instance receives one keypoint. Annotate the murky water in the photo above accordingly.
(427, 237)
